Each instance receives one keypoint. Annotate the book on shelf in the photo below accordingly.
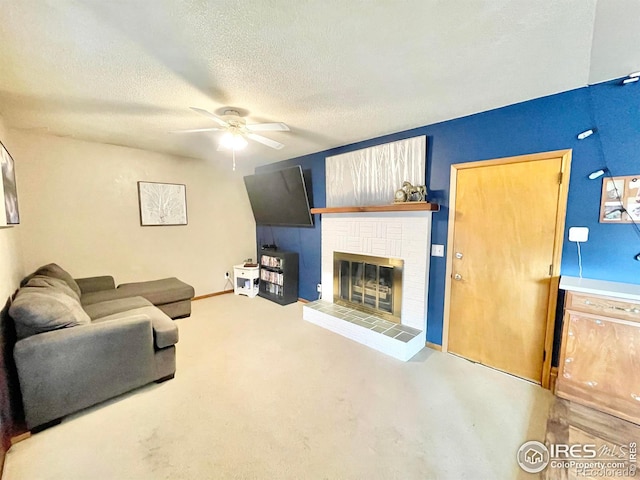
(271, 277)
(268, 261)
(274, 289)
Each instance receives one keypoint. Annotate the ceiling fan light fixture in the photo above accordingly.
(236, 131)
(233, 141)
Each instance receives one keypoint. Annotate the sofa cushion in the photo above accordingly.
(44, 281)
(104, 296)
(55, 271)
(158, 292)
(95, 284)
(165, 331)
(109, 307)
(41, 309)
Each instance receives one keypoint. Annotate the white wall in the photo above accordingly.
(79, 208)
(11, 269)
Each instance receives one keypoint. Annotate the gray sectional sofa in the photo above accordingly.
(82, 342)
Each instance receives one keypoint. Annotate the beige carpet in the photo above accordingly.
(261, 394)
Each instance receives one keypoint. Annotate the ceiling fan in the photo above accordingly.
(237, 130)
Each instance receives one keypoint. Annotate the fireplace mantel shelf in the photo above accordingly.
(394, 207)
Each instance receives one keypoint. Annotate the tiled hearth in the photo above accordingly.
(399, 341)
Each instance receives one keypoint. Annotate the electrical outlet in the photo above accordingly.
(226, 275)
(319, 288)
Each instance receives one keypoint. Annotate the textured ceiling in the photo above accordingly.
(126, 72)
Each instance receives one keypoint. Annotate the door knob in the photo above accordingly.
(458, 255)
(457, 277)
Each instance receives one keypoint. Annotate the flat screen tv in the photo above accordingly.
(279, 197)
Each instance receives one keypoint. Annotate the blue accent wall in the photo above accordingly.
(303, 240)
(544, 124)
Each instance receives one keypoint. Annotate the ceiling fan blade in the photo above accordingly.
(268, 127)
(265, 141)
(192, 130)
(219, 121)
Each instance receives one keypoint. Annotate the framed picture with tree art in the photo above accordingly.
(162, 203)
(8, 190)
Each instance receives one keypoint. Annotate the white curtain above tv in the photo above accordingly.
(371, 176)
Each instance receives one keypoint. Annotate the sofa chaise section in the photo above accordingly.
(170, 295)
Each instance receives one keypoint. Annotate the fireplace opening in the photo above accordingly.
(370, 284)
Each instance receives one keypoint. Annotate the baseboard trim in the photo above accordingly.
(209, 295)
(433, 346)
(224, 292)
(20, 438)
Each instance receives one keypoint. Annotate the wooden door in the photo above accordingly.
(508, 223)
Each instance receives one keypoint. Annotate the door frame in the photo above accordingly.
(557, 244)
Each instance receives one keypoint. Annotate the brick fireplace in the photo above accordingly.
(405, 236)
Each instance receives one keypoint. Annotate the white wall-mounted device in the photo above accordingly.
(586, 133)
(578, 234)
(598, 173)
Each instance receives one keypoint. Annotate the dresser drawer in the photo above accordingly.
(599, 364)
(606, 306)
(245, 272)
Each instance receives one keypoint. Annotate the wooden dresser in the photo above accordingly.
(600, 351)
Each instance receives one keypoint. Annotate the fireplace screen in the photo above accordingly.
(370, 284)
